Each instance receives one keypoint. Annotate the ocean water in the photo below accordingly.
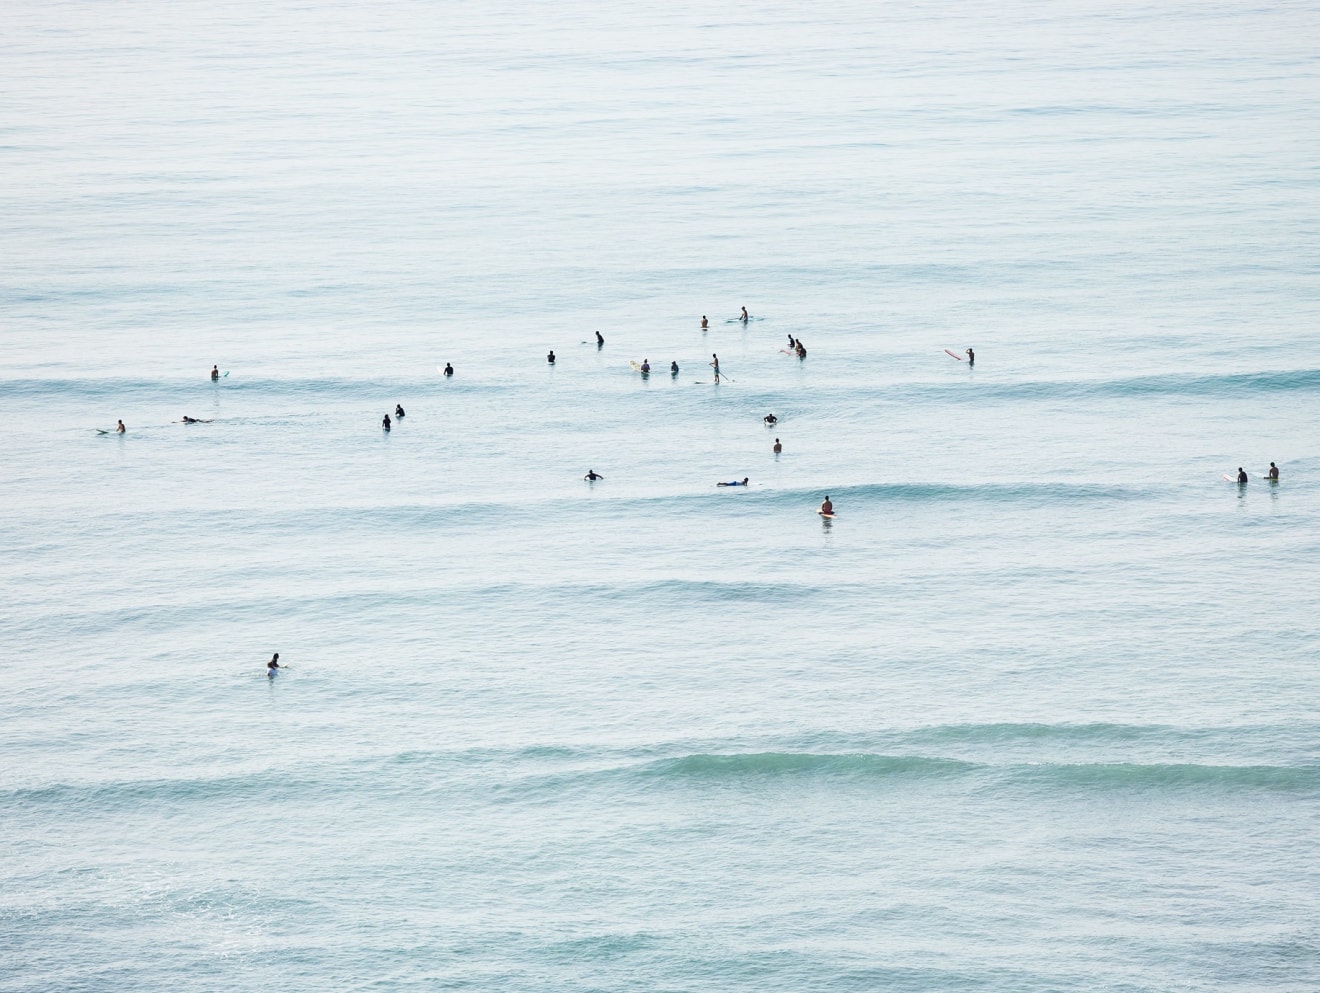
(1037, 712)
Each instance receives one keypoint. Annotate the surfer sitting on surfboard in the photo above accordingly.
(120, 429)
(734, 483)
(273, 665)
(826, 507)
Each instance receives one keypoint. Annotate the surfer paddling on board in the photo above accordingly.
(1273, 474)
(193, 420)
(826, 507)
(215, 373)
(1242, 475)
(715, 364)
(592, 475)
(735, 482)
(273, 666)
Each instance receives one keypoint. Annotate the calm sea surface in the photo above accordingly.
(1039, 711)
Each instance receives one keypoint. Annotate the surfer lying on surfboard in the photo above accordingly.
(735, 483)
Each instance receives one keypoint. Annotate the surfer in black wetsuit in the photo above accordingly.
(971, 357)
(272, 665)
(398, 411)
(193, 420)
(1242, 475)
(770, 420)
(600, 339)
(385, 423)
(215, 372)
(551, 357)
(592, 475)
(1273, 474)
(646, 367)
(673, 368)
(449, 369)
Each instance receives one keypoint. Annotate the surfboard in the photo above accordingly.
(637, 367)
(1230, 479)
(954, 354)
(828, 517)
(102, 431)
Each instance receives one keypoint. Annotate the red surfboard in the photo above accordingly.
(954, 354)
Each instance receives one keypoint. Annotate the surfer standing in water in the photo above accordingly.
(592, 475)
(551, 357)
(600, 339)
(1273, 474)
(1242, 475)
(715, 364)
(215, 372)
(121, 429)
(449, 369)
(704, 322)
(385, 423)
(778, 447)
(971, 357)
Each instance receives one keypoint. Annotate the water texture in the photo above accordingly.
(1038, 712)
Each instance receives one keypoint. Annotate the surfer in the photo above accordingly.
(770, 420)
(826, 507)
(600, 339)
(193, 420)
(215, 373)
(744, 315)
(778, 447)
(1242, 475)
(971, 357)
(673, 368)
(715, 364)
(592, 475)
(120, 429)
(398, 411)
(734, 483)
(646, 367)
(792, 345)
(273, 665)
(801, 349)
(449, 369)
(385, 423)
(704, 323)
(1273, 474)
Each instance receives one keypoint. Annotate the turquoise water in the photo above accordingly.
(1036, 712)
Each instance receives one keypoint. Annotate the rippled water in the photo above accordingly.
(1036, 712)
